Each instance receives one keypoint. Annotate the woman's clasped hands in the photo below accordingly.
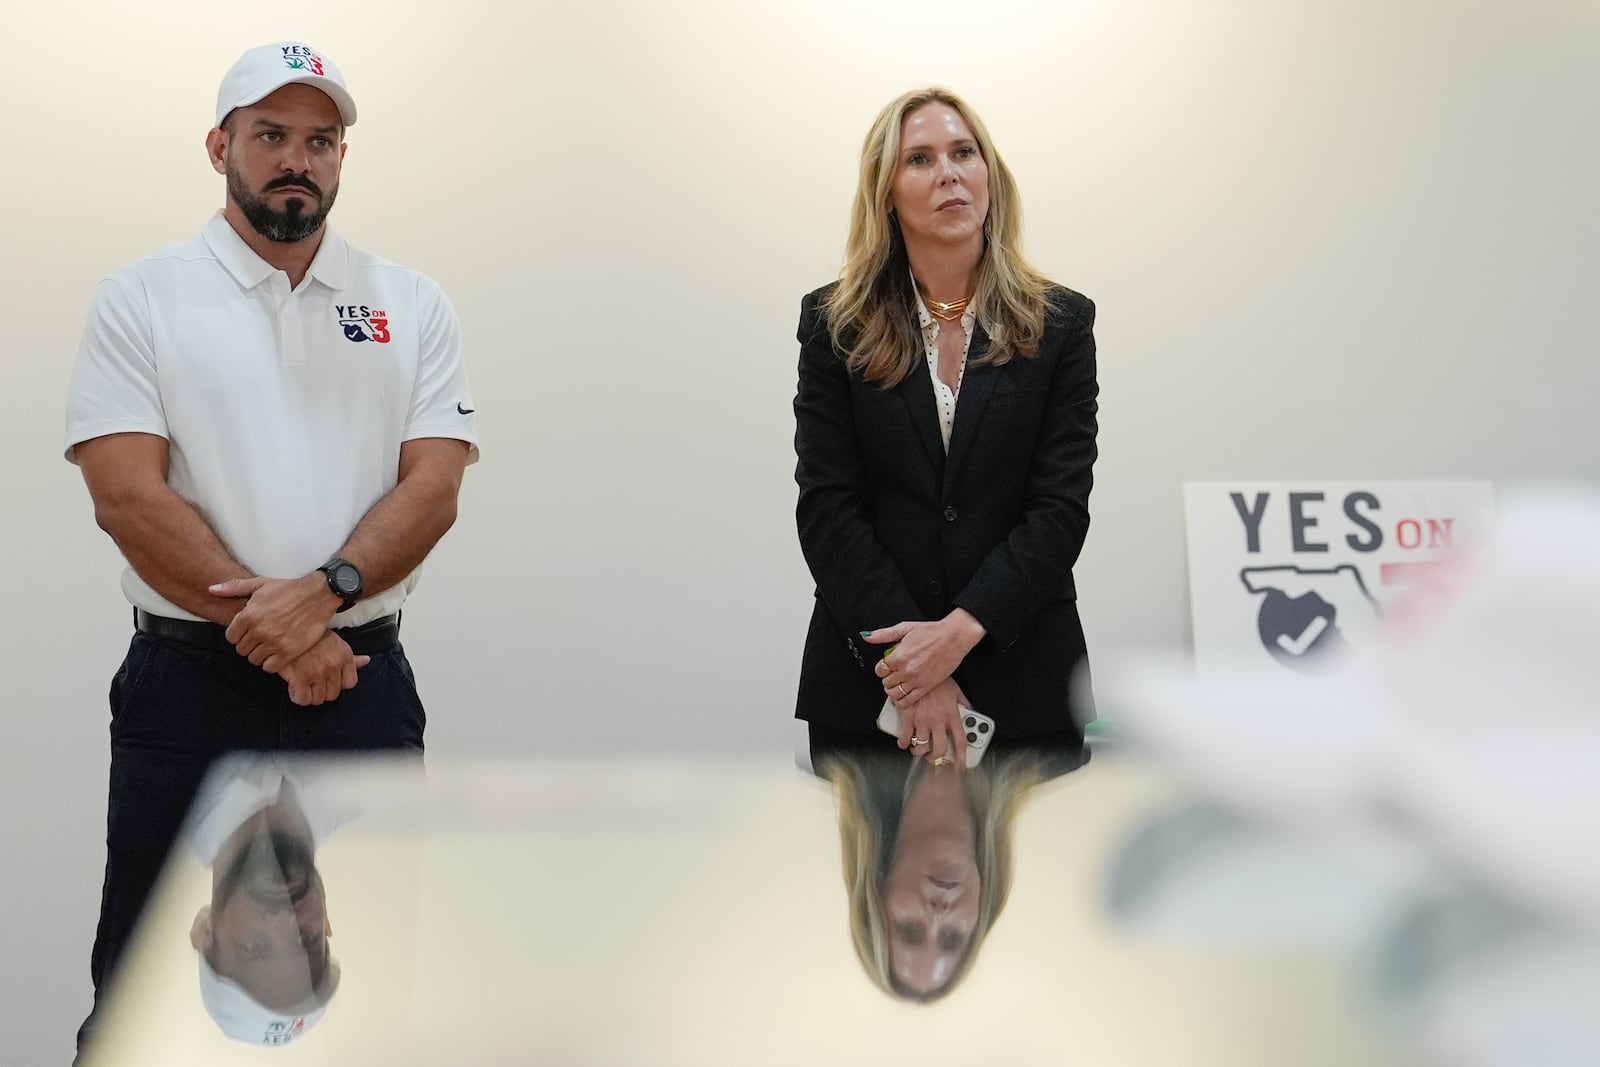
(916, 671)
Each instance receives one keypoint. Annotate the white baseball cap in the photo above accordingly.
(262, 71)
(243, 1018)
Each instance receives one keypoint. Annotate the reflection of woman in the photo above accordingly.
(945, 432)
(927, 861)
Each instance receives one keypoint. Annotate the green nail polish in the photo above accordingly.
(866, 633)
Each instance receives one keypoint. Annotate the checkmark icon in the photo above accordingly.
(464, 411)
(1296, 646)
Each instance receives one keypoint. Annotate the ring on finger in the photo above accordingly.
(915, 741)
(902, 687)
(943, 761)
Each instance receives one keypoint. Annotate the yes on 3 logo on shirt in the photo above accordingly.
(363, 323)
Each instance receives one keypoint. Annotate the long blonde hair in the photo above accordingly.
(870, 792)
(870, 311)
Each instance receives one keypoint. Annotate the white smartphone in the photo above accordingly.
(979, 728)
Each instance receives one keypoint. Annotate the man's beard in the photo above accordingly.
(291, 224)
(270, 862)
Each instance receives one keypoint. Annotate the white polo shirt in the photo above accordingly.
(284, 409)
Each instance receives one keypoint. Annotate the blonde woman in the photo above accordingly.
(945, 435)
(927, 861)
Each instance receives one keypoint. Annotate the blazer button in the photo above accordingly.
(950, 513)
(935, 588)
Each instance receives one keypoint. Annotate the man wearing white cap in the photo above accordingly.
(273, 426)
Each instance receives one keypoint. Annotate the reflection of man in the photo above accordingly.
(273, 426)
(266, 971)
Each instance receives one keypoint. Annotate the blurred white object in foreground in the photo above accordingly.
(1452, 760)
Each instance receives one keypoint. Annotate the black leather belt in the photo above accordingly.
(379, 635)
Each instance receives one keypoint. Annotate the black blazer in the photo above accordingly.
(893, 530)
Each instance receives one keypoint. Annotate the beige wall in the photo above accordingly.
(1326, 240)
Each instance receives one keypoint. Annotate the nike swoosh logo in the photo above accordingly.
(464, 411)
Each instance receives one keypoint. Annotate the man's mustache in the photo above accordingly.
(293, 181)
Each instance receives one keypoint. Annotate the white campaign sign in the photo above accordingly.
(1285, 574)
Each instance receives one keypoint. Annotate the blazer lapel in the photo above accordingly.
(916, 389)
(977, 386)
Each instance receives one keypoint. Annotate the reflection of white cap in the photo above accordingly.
(262, 71)
(239, 1016)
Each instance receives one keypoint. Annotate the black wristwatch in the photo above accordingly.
(344, 578)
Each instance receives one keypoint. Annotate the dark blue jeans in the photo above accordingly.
(175, 708)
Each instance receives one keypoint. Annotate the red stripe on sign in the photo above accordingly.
(1403, 573)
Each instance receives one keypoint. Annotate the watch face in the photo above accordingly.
(346, 579)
